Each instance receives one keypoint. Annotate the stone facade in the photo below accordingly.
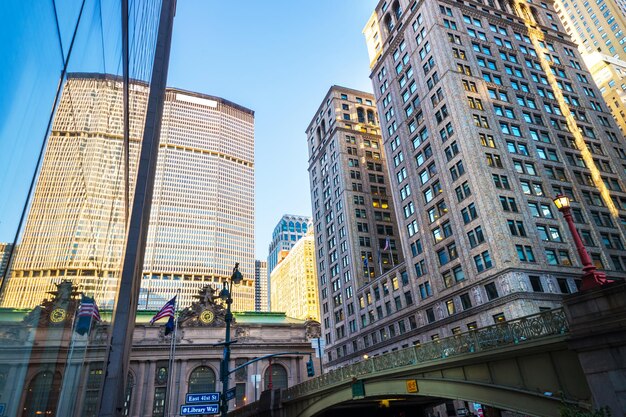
(597, 28)
(38, 344)
(355, 225)
(597, 322)
(482, 127)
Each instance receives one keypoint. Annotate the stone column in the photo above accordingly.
(148, 399)
(139, 390)
(597, 322)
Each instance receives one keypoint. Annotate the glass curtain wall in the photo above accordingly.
(63, 193)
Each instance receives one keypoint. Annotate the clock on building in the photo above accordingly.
(58, 315)
(207, 316)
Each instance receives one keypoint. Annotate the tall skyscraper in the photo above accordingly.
(202, 218)
(294, 282)
(598, 27)
(287, 232)
(482, 128)
(355, 224)
(260, 286)
(5, 249)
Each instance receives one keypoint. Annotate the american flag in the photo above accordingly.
(387, 244)
(89, 308)
(166, 311)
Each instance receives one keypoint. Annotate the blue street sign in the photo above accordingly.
(230, 394)
(198, 410)
(3, 407)
(202, 398)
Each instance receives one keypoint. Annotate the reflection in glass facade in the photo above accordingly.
(201, 221)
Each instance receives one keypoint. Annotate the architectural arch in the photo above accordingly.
(397, 10)
(370, 117)
(515, 400)
(42, 394)
(388, 23)
(201, 379)
(360, 114)
(279, 376)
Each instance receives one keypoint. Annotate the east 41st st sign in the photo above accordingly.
(202, 398)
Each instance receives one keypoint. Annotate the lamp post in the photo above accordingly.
(226, 296)
(591, 277)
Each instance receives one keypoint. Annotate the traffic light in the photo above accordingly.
(310, 371)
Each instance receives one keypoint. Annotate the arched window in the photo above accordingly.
(370, 117)
(323, 127)
(291, 227)
(298, 227)
(279, 377)
(202, 379)
(42, 395)
(397, 10)
(319, 134)
(535, 15)
(388, 23)
(360, 114)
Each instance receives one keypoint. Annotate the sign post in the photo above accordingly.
(230, 394)
(319, 344)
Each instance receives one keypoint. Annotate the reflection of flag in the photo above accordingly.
(87, 312)
(167, 310)
(365, 262)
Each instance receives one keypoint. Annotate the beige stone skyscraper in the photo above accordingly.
(483, 124)
(294, 282)
(356, 233)
(202, 218)
(599, 30)
(5, 249)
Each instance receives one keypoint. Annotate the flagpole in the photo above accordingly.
(172, 360)
(393, 264)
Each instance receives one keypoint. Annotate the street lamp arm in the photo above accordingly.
(266, 357)
(224, 343)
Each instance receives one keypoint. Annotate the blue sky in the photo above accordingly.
(277, 58)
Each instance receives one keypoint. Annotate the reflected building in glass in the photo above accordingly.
(5, 250)
(287, 232)
(202, 218)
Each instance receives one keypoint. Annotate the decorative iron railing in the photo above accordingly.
(534, 327)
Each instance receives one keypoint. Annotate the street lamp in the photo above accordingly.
(226, 296)
(591, 277)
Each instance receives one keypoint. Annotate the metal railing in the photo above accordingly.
(534, 327)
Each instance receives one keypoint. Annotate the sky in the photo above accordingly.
(276, 57)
